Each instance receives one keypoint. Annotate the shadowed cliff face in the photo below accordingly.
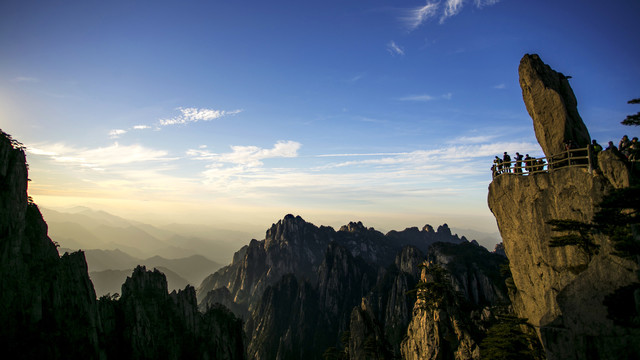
(149, 323)
(47, 302)
(48, 306)
(561, 290)
(295, 246)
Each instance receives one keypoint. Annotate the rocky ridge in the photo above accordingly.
(293, 245)
(350, 300)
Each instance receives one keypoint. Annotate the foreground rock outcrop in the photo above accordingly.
(47, 302)
(561, 290)
(48, 306)
(147, 322)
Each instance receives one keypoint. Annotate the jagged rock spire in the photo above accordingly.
(552, 105)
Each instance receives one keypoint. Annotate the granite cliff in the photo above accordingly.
(561, 290)
(312, 292)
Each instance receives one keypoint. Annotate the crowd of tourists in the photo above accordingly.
(521, 164)
(629, 149)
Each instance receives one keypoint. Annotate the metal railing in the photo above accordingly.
(571, 158)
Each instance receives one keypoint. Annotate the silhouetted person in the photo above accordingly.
(623, 146)
(498, 162)
(527, 163)
(506, 162)
(634, 149)
(612, 147)
(518, 168)
(540, 164)
(595, 149)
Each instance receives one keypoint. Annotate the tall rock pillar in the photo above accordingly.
(552, 105)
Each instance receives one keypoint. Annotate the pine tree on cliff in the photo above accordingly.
(632, 119)
(578, 233)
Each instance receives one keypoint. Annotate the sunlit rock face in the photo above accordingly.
(561, 290)
(450, 329)
(552, 105)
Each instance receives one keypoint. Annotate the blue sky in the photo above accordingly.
(236, 113)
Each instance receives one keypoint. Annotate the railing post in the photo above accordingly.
(589, 158)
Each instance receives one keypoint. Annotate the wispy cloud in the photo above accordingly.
(415, 17)
(99, 158)
(394, 49)
(141, 127)
(482, 3)
(451, 8)
(479, 139)
(27, 79)
(500, 86)
(426, 97)
(189, 115)
(355, 78)
(445, 158)
(248, 155)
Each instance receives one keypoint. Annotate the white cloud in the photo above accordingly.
(114, 134)
(425, 97)
(417, 16)
(141, 127)
(394, 49)
(500, 86)
(190, 115)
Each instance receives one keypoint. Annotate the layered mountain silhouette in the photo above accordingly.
(87, 229)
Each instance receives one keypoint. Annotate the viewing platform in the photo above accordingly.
(584, 157)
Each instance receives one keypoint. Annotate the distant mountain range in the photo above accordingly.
(108, 269)
(84, 228)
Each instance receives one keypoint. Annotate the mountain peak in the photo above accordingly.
(444, 230)
(353, 227)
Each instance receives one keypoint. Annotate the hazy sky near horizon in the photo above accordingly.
(389, 112)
